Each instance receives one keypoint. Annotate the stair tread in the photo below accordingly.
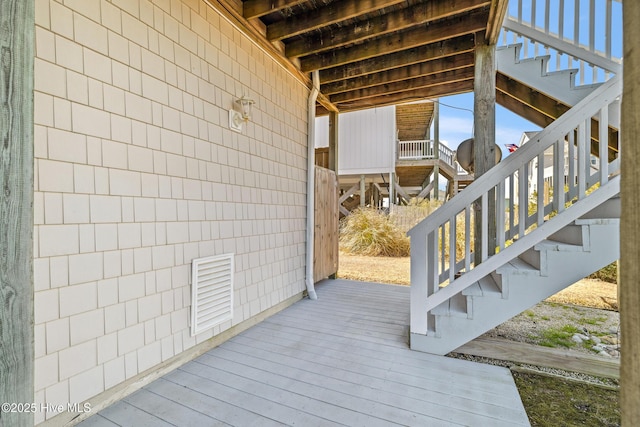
(597, 221)
(484, 287)
(518, 266)
(554, 245)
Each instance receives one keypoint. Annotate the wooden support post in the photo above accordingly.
(363, 191)
(333, 157)
(436, 150)
(392, 200)
(484, 137)
(630, 223)
(333, 142)
(17, 29)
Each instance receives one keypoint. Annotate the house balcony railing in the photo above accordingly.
(423, 149)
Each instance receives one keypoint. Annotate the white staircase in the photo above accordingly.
(554, 241)
(562, 49)
(534, 72)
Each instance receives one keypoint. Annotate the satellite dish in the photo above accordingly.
(464, 155)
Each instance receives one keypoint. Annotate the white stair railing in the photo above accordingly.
(440, 270)
(581, 34)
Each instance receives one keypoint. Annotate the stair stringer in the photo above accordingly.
(533, 72)
(524, 287)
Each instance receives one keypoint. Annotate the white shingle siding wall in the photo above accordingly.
(137, 173)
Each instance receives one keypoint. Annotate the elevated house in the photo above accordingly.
(157, 175)
(389, 156)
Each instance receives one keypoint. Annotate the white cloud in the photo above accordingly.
(507, 135)
(454, 130)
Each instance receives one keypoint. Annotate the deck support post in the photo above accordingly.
(484, 107)
(333, 153)
(436, 149)
(363, 191)
(333, 142)
(392, 178)
(630, 223)
(17, 29)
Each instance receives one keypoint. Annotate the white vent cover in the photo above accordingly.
(211, 292)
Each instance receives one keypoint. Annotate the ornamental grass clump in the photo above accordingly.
(369, 232)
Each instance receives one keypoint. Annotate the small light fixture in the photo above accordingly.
(241, 114)
(245, 104)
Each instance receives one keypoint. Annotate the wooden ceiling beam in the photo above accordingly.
(437, 65)
(542, 111)
(256, 8)
(402, 19)
(447, 77)
(534, 99)
(523, 110)
(324, 16)
(408, 96)
(396, 42)
(497, 12)
(432, 51)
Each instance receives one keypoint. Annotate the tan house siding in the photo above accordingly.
(137, 173)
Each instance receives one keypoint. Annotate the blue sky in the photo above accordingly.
(456, 124)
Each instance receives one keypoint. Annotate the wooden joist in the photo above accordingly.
(398, 20)
(399, 74)
(423, 82)
(387, 51)
(324, 16)
(418, 36)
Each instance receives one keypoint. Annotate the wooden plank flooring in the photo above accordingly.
(340, 360)
(502, 349)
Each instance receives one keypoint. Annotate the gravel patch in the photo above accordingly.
(547, 324)
(532, 327)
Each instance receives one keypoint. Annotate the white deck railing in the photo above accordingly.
(423, 149)
(434, 258)
(581, 34)
(418, 149)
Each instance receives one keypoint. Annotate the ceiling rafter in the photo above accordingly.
(325, 16)
(256, 8)
(426, 68)
(496, 16)
(411, 95)
(373, 52)
(397, 42)
(450, 76)
(400, 59)
(398, 20)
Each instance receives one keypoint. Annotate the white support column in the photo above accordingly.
(363, 191)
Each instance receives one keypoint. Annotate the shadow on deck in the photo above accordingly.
(340, 360)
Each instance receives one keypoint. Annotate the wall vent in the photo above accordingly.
(211, 292)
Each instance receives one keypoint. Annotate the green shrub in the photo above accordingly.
(369, 232)
(607, 274)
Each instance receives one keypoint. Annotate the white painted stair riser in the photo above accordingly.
(467, 316)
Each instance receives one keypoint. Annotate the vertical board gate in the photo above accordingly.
(325, 248)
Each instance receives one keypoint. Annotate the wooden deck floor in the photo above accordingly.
(340, 360)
